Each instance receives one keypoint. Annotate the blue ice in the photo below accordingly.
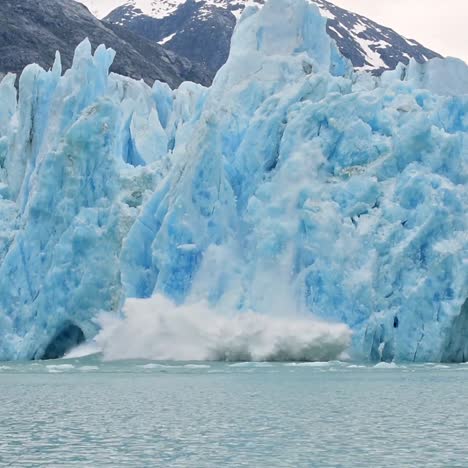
(292, 185)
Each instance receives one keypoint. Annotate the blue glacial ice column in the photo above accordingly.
(62, 266)
(444, 77)
(191, 208)
(8, 211)
(195, 207)
(341, 194)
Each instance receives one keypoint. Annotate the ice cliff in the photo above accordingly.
(292, 184)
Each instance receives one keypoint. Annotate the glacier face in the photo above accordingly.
(293, 183)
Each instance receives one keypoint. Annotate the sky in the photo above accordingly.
(440, 25)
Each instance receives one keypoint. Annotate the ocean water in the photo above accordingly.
(85, 412)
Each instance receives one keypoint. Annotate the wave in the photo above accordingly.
(157, 329)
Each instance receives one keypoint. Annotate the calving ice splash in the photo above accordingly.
(157, 329)
(240, 218)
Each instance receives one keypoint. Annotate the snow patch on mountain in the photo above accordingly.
(166, 39)
(101, 8)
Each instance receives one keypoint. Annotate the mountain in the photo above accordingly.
(201, 30)
(291, 188)
(31, 31)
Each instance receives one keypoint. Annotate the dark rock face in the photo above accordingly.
(31, 31)
(202, 31)
(370, 45)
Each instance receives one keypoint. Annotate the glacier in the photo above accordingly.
(293, 185)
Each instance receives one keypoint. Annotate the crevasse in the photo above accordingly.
(292, 183)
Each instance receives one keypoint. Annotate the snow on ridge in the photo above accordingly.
(337, 32)
(101, 8)
(153, 8)
(372, 57)
(359, 28)
(160, 9)
(166, 39)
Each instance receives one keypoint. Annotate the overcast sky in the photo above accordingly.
(440, 25)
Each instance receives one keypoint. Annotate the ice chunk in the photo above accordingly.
(445, 77)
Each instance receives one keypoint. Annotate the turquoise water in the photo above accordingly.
(83, 412)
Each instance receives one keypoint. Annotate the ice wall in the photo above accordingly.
(292, 185)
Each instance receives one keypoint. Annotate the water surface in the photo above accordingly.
(83, 412)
